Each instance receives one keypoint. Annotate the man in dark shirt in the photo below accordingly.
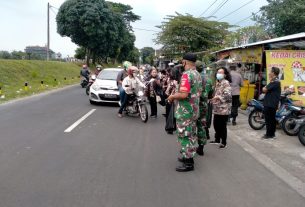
(271, 102)
(121, 75)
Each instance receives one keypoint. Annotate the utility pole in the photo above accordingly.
(48, 31)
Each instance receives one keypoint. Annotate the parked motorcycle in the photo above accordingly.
(255, 108)
(301, 134)
(136, 105)
(293, 120)
(91, 81)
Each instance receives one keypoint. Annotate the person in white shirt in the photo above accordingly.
(130, 85)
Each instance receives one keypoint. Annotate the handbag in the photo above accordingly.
(170, 122)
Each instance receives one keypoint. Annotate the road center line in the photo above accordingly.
(79, 121)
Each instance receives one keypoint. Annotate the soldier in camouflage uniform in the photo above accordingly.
(187, 111)
(209, 93)
(203, 107)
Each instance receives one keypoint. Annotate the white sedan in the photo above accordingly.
(105, 88)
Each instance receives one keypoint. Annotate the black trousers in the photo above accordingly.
(269, 113)
(153, 106)
(167, 109)
(220, 127)
(235, 105)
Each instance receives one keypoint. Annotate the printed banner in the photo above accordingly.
(292, 69)
(247, 55)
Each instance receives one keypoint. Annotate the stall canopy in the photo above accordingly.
(293, 41)
(287, 53)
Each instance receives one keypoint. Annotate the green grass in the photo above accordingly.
(15, 73)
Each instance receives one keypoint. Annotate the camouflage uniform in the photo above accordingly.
(201, 122)
(187, 112)
(209, 114)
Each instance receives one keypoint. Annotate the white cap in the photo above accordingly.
(171, 64)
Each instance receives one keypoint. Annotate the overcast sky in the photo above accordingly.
(24, 22)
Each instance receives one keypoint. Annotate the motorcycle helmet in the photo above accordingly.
(99, 67)
(126, 64)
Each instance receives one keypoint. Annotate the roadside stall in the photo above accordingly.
(256, 59)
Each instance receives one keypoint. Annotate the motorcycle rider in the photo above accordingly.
(130, 84)
(84, 72)
(98, 70)
(122, 74)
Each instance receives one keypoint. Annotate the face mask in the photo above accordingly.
(220, 76)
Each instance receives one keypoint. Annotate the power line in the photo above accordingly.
(246, 18)
(208, 8)
(236, 10)
(53, 7)
(219, 7)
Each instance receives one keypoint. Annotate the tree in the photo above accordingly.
(5, 55)
(282, 17)
(246, 35)
(147, 55)
(102, 28)
(18, 55)
(92, 25)
(125, 11)
(185, 33)
(80, 53)
(134, 55)
(125, 49)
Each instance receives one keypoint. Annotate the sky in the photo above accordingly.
(24, 22)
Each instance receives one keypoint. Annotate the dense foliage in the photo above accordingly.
(246, 35)
(185, 33)
(282, 17)
(102, 28)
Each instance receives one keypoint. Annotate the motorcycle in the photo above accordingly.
(84, 81)
(91, 81)
(255, 109)
(301, 134)
(136, 105)
(293, 120)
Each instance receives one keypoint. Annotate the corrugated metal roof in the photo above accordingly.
(279, 39)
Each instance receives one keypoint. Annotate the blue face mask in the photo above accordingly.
(220, 76)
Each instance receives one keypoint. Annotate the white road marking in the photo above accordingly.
(295, 183)
(79, 121)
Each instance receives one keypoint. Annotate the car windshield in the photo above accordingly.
(108, 75)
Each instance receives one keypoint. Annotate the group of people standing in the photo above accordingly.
(191, 94)
(193, 97)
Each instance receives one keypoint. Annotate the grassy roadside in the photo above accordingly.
(15, 73)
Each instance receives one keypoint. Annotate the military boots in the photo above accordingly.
(187, 165)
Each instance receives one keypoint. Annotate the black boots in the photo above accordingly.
(234, 121)
(187, 165)
(199, 150)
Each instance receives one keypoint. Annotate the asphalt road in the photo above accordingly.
(113, 162)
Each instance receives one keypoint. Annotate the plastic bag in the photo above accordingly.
(170, 122)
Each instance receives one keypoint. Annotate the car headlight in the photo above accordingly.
(95, 87)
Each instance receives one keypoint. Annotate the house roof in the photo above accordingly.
(279, 39)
